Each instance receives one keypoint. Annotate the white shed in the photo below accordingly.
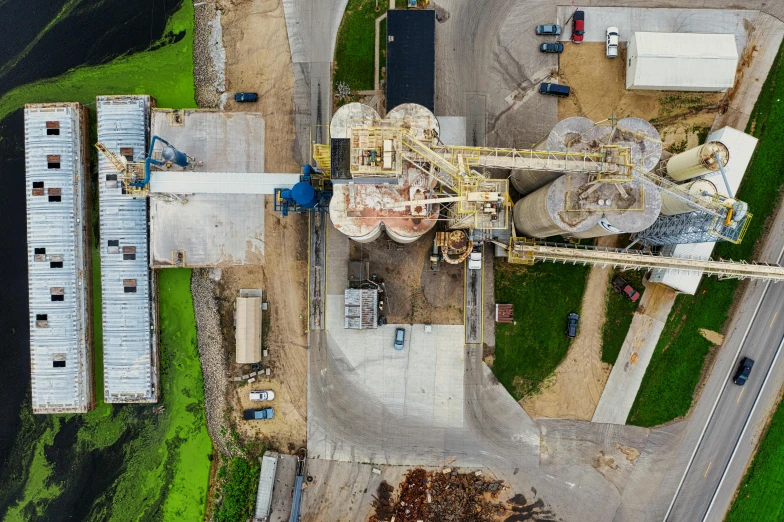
(681, 61)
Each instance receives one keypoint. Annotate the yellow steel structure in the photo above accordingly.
(129, 172)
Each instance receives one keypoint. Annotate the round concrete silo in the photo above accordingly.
(351, 115)
(545, 212)
(698, 161)
(416, 118)
(672, 206)
(633, 210)
(643, 140)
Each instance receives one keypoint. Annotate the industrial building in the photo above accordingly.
(740, 149)
(247, 326)
(681, 61)
(411, 57)
(58, 257)
(128, 287)
(210, 213)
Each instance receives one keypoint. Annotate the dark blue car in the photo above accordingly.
(242, 97)
(556, 47)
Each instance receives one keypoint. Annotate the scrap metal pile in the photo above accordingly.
(439, 496)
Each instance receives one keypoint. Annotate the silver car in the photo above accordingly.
(262, 395)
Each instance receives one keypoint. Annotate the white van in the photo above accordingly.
(612, 42)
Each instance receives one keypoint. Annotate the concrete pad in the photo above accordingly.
(283, 488)
(658, 20)
(422, 384)
(211, 230)
(627, 373)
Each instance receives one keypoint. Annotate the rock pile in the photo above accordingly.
(209, 56)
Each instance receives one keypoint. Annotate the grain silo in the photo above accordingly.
(416, 118)
(701, 187)
(349, 115)
(554, 210)
(698, 161)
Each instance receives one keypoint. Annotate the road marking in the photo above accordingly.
(772, 320)
(740, 395)
(706, 471)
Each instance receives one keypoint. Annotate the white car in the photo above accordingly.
(612, 42)
(264, 395)
(475, 258)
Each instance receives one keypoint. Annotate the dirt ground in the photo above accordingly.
(415, 293)
(682, 118)
(258, 60)
(577, 384)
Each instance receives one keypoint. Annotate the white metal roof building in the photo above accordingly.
(269, 464)
(741, 147)
(681, 61)
(130, 344)
(247, 328)
(58, 258)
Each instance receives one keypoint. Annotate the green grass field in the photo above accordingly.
(668, 387)
(528, 352)
(618, 315)
(760, 496)
(355, 48)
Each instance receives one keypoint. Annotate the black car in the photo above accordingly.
(556, 47)
(242, 97)
(571, 324)
(554, 89)
(742, 375)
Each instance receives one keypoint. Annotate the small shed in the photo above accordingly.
(681, 61)
(247, 327)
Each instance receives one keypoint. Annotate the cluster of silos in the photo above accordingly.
(694, 163)
(577, 204)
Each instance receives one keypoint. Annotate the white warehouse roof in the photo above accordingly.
(741, 147)
(681, 61)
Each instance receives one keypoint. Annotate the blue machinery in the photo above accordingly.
(171, 156)
(311, 194)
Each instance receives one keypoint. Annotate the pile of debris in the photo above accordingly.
(440, 496)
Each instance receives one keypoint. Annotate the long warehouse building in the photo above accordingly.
(58, 257)
(128, 288)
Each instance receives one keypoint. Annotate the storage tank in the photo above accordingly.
(672, 206)
(698, 161)
(416, 118)
(643, 140)
(350, 115)
(634, 212)
(544, 212)
(174, 156)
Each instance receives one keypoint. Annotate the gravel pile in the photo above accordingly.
(209, 56)
(213, 362)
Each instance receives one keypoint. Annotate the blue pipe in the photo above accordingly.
(150, 161)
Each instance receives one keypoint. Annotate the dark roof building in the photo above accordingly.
(411, 57)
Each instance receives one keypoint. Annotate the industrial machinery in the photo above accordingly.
(311, 194)
(135, 176)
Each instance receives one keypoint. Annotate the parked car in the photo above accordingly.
(400, 338)
(475, 258)
(578, 26)
(620, 285)
(571, 324)
(742, 375)
(263, 395)
(554, 89)
(548, 29)
(556, 47)
(246, 97)
(612, 42)
(260, 414)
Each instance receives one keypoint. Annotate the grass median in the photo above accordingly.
(356, 43)
(528, 351)
(619, 313)
(667, 390)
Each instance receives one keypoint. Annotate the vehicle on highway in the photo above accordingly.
(571, 324)
(400, 338)
(475, 258)
(612, 42)
(259, 414)
(554, 89)
(246, 97)
(578, 26)
(556, 47)
(742, 375)
(548, 29)
(620, 285)
(262, 395)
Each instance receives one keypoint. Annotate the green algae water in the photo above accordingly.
(117, 462)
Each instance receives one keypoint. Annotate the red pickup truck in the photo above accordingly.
(626, 289)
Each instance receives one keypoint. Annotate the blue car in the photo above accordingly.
(260, 414)
(400, 338)
(549, 29)
(556, 47)
(243, 97)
